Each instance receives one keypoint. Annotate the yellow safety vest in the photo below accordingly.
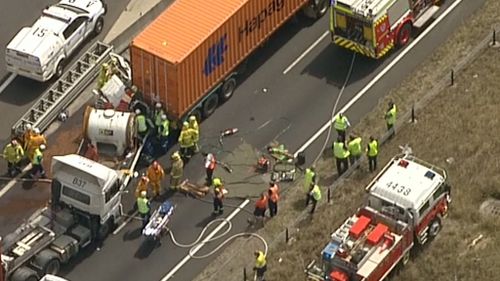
(13, 154)
(37, 157)
(158, 115)
(163, 128)
(339, 151)
(340, 123)
(391, 115)
(373, 148)
(355, 146)
(316, 193)
(260, 261)
(142, 205)
(308, 178)
(141, 123)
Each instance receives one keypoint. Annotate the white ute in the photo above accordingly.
(39, 52)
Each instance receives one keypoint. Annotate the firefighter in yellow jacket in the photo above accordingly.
(13, 154)
(177, 171)
(156, 174)
(195, 131)
(187, 141)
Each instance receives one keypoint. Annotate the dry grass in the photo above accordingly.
(460, 125)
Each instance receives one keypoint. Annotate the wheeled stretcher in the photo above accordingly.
(158, 221)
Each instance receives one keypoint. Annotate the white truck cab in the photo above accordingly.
(87, 186)
(39, 52)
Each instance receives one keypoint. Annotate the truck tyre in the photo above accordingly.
(404, 35)
(24, 274)
(59, 69)
(227, 89)
(210, 104)
(48, 261)
(320, 7)
(434, 227)
(99, 24)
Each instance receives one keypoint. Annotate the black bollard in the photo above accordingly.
(494, 42)
(413, 114)
(287, 235)
(244, 274)
(329, 195)
(452, 77)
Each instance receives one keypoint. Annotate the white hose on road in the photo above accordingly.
(198, 241)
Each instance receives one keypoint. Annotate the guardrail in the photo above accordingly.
(65, 90)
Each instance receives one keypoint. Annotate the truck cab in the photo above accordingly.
(87, 186)
(413, 191)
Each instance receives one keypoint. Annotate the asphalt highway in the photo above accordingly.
(291, 109)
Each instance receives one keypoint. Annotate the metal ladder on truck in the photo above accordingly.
(65, 90)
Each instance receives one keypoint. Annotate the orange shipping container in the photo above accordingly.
(194, 45)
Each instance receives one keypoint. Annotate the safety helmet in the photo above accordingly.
(134, 88)
(155, 164)
(28, 127)
(176, 156)
(42, 147)
(104, 65)
(36, 130)
(158, 105)
(185, 125)
(144, 178)
(144, 193)
(138, 111)
(163, 117)
(217, 182)
(13, 142)
(192, 118)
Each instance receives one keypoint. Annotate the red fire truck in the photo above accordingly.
(406, 202)
(373, 27)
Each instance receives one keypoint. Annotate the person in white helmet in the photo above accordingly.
(195, 131)
(36, 140)
(157, 114)
(141, 123)
(163, 132)
(37, 169)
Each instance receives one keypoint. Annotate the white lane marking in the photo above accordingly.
(124, 223)
(13, 182)
(176, 268)
(7, 82)
(295, 62)
(380, 74)
(265, 124)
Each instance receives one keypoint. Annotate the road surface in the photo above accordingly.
(292, 108)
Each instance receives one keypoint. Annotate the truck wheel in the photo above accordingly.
(24, 274)
(404, 35)
(320, 7)
(227, 89)
(210, 105)
(104, 230)
(48, 261)
(99, 24)
(59, 69)
(435, 227)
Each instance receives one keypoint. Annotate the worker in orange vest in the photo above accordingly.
(260, 208)
(156, 174)
(210, 164)
(142, 185)
(28, 133)
(274, 196)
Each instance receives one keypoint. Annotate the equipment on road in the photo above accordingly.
(194, 189)
(40, 52)
(406, 203)
(373, 28)
(62, 92)
(158, 221)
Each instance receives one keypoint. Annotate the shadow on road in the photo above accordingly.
(22, 91)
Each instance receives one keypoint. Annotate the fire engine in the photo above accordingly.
(373, 27)
(406, 202)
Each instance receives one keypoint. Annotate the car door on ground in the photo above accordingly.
(75, 33)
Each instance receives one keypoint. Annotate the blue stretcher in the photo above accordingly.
(158, 221)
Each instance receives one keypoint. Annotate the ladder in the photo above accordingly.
(65, 90)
